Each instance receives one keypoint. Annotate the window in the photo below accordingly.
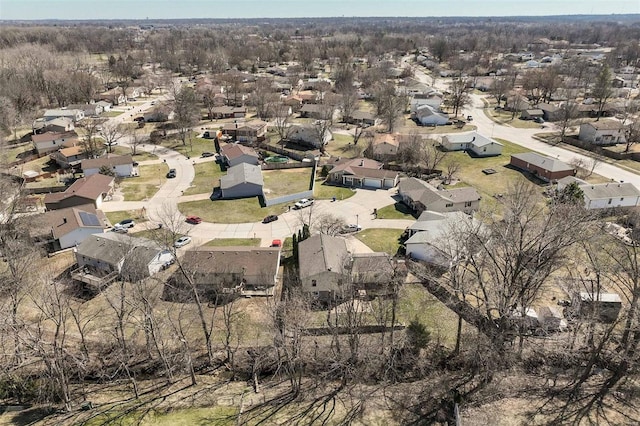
(467, 204)
(609, 201)
(314, 283)
(449, 205)
(621, 198)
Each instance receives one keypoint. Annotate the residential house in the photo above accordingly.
(64, 228)
(87, 190)
(69, 157)
(57, 125)
(531, 114)
(102, 258)
(362, 172)
(74, 114)
(546, 168)
(234, 154)
(90, 110)
(242, 181)
(247, 132)
(50, 141)
(362, 118)
(247, 271)
(474, 142)
(433, 99)
(385, 146)
(550, 112)
(319, 111)
(106, 106)
(114, 96)
(309, 134)
(517, 103)
(375, 274)
(122, 165)
(431, 234)
(426, 115)
(603, 132)
(159, 114)
(604, 195)
(420, 196)
(323, 261)
(228, 112)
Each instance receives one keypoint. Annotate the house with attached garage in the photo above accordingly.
(86, 190)
(362, 118)
(242, 181)
(385, 146)
(474, 142)
(234, 154)
(603, 132)
(433, 99)
(228, 112)
(50, 141)
(57, 125)
(74, 114)
(121, 165)
(319, 111)
(243, 271)
(604, 195)
(246, 132)
(64, 228)
(361, 172)
(546, 168)
(420, 196)
(103, 258)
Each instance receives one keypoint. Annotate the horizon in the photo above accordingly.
(136, 10)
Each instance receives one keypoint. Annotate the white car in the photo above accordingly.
(351, 228)
(305, 202)
(182, 241)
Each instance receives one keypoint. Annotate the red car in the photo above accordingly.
(194, 220)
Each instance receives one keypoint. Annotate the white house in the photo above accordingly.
(50, 141)
(603, 132)
(122, 165)
(64, 228)
(480, 145)
(428, 116)
(433, 99)
(605, 195)
(106, 106)
(309, 135)
(74, 114)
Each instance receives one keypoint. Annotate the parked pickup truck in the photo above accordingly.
(305, 202)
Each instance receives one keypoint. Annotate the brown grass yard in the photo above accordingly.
(151, 178)
(278, 183)
(137, 215)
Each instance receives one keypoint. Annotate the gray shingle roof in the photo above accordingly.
(610, 190)
(547, 163)
(242, 173)
(321, 253)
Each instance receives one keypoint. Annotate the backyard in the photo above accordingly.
(140, 154)
(233, 242)
(115, 217)
(193, 148)
(381, 239)
(278, 183)
(323, 191)
(396, 211)
(150, 179)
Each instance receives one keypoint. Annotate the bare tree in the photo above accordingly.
(282, 121)
(602, 90)
(499, 88)
(111, 133)
(187, 112)
(389, 105)
(91, 141)
(458, 94)
(568, 114)
(452, 168)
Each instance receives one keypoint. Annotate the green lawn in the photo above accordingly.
(278, 183)
(342, 146)
(151, 178)
(416, 302)
(207, 177)
(230, 242)
(115, 217)
(470, 171)
(327, 192)
(381, 239)
(504, 117)
(195, 148)
(215, 416)
(395, 211)
(243, 210)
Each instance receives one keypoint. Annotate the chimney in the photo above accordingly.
(362, 163)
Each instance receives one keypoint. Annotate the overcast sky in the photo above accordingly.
(167, 9)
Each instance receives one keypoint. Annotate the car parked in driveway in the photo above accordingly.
(182, 241)
(194, 220)
(347, 229)
(270, 218)
(305, 202)
(119, 229)
(126, 223)
(171, 174)
(207, 154)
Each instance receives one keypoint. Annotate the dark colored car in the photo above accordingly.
(207, 154)
(171, 174)
(194, 220)
(139, 119)
(270, 218)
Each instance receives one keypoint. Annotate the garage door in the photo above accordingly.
(373, 183)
